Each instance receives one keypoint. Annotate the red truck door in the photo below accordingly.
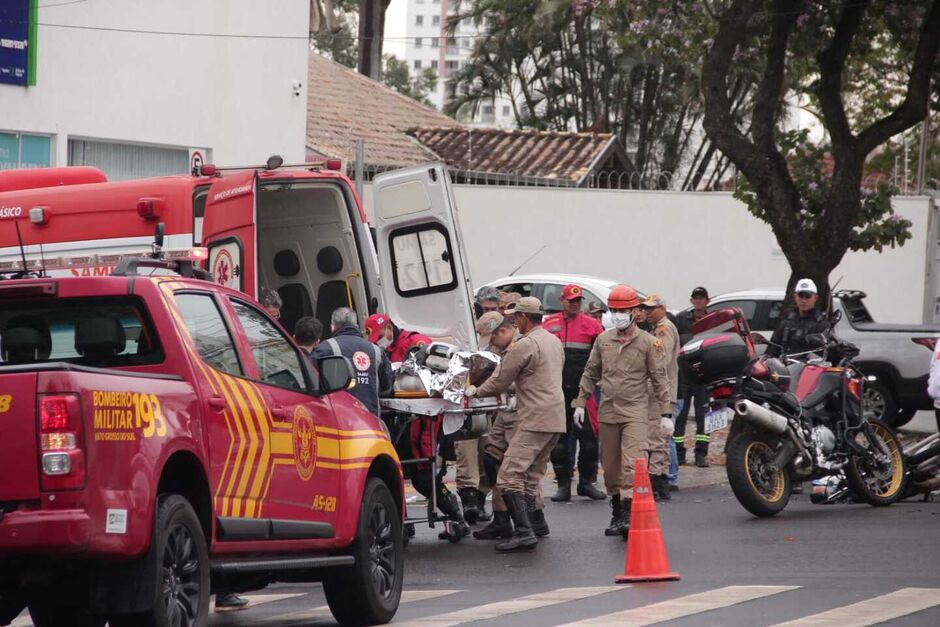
(425, 281)
(301, 455)
(229, 228)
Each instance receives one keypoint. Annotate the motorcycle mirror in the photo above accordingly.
(816, 340)
(835, 316)
(757, 338)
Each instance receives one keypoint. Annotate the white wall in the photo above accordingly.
(670, 242)
(231, 95)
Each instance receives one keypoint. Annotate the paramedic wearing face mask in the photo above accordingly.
(625, 361)
(397, 342)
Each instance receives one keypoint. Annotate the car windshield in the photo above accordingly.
(101, 332)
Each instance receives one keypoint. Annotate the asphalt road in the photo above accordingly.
(736, 570)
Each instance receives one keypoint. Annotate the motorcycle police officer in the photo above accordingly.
(790, 335)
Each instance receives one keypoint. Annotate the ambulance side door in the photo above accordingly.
(425, 281)
(229, 231)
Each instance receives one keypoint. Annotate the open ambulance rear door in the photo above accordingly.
(424, 279)
(229, 231)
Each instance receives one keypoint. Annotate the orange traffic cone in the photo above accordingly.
(646, 552)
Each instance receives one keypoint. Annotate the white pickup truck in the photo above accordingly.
(897, 355)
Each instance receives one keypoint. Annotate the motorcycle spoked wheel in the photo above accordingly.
(877, 478)
(761, 491)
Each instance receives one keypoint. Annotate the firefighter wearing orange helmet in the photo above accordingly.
(625, 361)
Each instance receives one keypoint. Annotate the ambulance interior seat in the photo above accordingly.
(295, 299)
(99, 339)
(332, 294)
(25, 340)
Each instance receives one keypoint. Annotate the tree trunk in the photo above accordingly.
(371, 29)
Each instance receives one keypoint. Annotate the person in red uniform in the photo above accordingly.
(577, 332)
(397, 342)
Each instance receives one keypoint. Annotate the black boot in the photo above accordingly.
(484, 516)
(625, 518)
(662, 488)
(522, 536)
(471, 510)
(455, 528)
(499, 529)
(700, 460)
(680, 454)
(616, 511)
(587, 488)
(536, 517)
(564, 486)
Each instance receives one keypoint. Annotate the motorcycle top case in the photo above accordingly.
(713, 356)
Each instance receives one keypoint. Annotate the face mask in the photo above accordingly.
(621, 320)
(383, 342)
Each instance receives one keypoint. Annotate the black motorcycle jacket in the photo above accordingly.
(790, 335)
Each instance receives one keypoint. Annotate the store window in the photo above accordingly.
(19, 150)
(122, 162)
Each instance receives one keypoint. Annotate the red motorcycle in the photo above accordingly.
(790, 420)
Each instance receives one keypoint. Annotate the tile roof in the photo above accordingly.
(539, 154)
(343, 106)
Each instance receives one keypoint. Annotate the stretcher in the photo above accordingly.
(401, 412)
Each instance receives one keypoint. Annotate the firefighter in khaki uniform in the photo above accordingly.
(625, 361)
(495, 444)
(660, 426)
(534, 363)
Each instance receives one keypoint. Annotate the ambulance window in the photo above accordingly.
(207, 329)
(199, 212)
(422, 259)
(277, 360)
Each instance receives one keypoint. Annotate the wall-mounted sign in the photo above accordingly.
(18, 29)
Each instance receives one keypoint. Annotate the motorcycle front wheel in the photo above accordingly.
(877, 477)
(762, 491)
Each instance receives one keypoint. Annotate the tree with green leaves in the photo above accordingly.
(866, 65)
(590, 67)
(398, 77)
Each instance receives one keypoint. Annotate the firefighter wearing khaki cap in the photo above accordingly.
(534, 364)
(661, 427)
(624, 362)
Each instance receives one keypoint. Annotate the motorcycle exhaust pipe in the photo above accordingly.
(761, 417)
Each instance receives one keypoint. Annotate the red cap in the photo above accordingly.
(374, 325)
(571, 291)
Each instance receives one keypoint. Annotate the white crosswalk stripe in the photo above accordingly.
(690, 605)
(873, 611)
(514, 606)
(407, 596)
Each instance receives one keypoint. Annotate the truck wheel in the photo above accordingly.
(369, 592)
(878, 402)
(64, 616)
(182, 598)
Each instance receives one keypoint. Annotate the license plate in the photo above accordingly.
(718, 419)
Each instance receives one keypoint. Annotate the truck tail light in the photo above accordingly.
(60, 442)
(929, 342)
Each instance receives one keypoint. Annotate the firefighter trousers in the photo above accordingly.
(621, 445)
(525, 460)
(496, 441)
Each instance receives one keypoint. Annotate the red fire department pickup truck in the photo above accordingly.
(162, 439)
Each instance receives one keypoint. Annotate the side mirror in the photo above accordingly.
(816, 340)
(757, 338)
(835, 317)
(336, 373)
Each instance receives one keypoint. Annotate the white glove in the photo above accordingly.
(471, 391)
(578, 417)
(511, 403)
(667, 424)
